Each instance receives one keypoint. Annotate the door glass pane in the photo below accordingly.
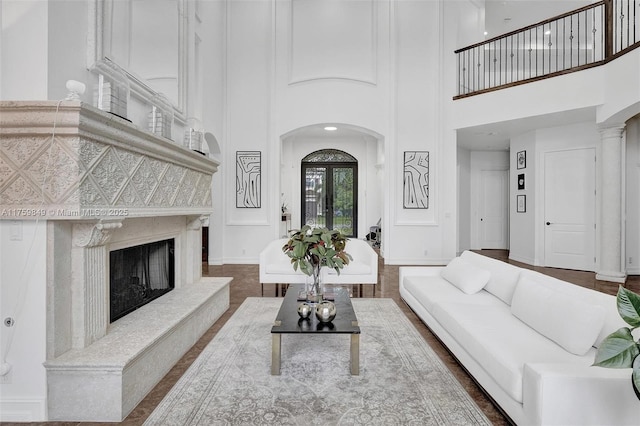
(314, 208)
(343, 200)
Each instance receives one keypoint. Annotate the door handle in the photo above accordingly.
(548, 223)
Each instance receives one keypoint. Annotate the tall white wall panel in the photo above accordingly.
(333, 39)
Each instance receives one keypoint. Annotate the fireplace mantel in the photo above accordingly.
(100, 183)
(69, 160)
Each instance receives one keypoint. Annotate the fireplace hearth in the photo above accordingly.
(139, 275)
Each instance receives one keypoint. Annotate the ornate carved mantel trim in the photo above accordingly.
(195, 223)
(94, 234)
(97, 166)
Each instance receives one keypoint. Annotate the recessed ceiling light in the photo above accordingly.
(330, 128)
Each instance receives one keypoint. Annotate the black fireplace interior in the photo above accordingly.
(139, 275)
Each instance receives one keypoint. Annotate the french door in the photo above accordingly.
(329, 194)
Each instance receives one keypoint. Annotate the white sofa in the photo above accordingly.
(528, 339)
(275, 266)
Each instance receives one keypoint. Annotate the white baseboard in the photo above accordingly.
(240, 261)
(633, 271)
(23, 410)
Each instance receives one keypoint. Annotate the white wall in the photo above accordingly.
(66, 48)
(211, 30)
(522, 229)
(23, 291)
(23, 66)
(464, 200)
(248, 127)
(275, 86)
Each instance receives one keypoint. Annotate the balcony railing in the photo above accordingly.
(573, 41)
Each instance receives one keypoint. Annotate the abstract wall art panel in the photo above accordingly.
(248, 179)
(416, 180)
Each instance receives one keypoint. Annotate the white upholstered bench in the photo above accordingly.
(276, 268)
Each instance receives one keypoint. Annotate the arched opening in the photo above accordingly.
(362, 145)
(329, 191)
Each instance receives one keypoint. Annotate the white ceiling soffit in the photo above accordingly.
(497, 136)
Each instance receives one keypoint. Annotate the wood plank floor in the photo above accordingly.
(245, 284)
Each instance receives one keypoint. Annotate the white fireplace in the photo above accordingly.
(100, 184)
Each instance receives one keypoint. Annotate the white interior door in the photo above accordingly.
(569, 204)
(494, 209)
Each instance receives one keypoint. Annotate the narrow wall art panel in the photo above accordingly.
(248, 179)
(416, 180)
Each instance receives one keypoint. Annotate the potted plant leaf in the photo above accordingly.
(619, 349)
(312, 248)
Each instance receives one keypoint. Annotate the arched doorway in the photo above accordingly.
(329, 191)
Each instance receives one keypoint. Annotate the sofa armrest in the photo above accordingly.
(281, 271)
(567, 394)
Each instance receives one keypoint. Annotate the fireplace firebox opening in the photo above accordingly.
(140, 274)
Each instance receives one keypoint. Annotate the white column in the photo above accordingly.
(611, 265)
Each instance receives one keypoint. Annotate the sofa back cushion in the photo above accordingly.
(504, 277)
(568, 321)
(612, 320)
(466, 276)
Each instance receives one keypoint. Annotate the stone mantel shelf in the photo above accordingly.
(96, 166)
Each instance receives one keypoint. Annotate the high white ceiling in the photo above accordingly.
(501, 16)
(505, 16)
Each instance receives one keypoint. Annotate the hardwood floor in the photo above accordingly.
(245, 284)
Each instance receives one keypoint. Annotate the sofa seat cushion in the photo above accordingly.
(500, 342)
(430, 290)
(568, 321)
(466, 276)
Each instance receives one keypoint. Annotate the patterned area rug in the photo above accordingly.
(401, 382)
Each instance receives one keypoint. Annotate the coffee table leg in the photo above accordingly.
(275, 353)
(355, 354)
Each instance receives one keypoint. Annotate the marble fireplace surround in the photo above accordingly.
(102, 184)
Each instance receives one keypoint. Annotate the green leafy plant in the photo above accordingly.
(619, 349)
(312, 248)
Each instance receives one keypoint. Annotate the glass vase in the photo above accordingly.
(314, 286)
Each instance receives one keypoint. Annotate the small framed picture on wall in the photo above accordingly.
(521, 181)
(521, 159)
(521, 203)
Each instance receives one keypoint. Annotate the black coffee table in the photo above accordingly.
(289, 322)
